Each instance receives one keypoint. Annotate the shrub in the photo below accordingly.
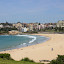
(5, 56)
(59, 60)
(27, 59)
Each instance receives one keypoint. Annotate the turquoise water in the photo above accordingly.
(8, 42)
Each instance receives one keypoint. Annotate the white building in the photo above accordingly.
(1, 26)
(60, 23)
(42, 26)
(24, 29)
(39, 27)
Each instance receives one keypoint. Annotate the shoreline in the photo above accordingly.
(41, 51)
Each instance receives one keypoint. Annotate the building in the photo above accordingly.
(8, 26)
(31, 27)
(24, 29)
(35, 26)
(60, 24)
(50, 25)
(1, 26)
(24, 25)
(39, 27)
(42, 26)
(18, 26)
(13, 32)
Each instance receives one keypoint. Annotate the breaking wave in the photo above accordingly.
(33, 38)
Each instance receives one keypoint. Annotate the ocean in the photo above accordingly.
(8, 42)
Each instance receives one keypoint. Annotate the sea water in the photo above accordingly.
(8, 42)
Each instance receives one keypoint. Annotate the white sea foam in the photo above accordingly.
(34, 38)
(21, 35)
(24, 43)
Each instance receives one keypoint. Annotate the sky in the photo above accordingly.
(30, 11)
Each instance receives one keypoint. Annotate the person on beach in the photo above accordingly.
(52, 49)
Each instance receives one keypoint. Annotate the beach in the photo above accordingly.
(42, 51)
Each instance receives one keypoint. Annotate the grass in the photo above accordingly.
(2, 61)
(6, 59)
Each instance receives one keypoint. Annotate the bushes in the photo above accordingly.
(59, 60)
(27, 59)
(5, 56)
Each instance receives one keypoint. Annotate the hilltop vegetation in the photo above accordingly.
(6, 59)
(2, 61)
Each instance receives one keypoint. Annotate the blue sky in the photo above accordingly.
(43, 11)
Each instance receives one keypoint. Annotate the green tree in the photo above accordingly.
(59, 60)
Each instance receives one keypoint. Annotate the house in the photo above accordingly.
(24, 29)
(31, 27)
(35, 26)
(42, 26)
(1, 26)
(8, 26)
(50, 25)
(60, 24)
(18, 26)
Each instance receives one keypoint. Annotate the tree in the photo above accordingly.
(39, 24)
(59, 60)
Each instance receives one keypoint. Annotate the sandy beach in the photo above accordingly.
(43, 51)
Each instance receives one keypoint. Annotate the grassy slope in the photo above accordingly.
(2, 61)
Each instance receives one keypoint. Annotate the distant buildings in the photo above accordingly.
(18, 26)
(60, 24)
(28, 27)
(24, 27)
(6, 25)
(50, 25)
